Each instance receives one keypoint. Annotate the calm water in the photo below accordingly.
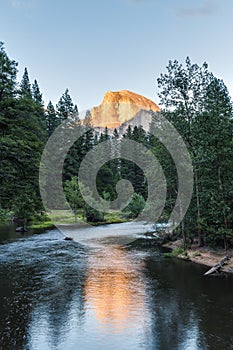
(57, 294)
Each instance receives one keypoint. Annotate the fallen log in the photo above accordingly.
(217, 268)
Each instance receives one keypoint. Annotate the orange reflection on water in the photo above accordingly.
(114, 288)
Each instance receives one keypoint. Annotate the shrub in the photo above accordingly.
(135, 206)
(92, 215)
(4, 215)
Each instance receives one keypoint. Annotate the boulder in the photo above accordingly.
(20, 229)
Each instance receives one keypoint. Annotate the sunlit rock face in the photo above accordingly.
(120, 108)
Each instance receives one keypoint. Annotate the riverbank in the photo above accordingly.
(50, 225)
(200, 255)
(62, 218)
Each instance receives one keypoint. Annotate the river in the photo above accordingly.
(63, 295)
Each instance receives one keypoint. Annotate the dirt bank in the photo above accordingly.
(205, 256)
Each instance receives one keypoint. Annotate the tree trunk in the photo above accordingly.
(75, 214)
(223, 202)
(183, 235)
(25, 223)
(200, 238)
(182, 225)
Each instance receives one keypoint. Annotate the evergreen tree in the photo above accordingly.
(52, 120)
(75, 109)
(182, 93)
(128, 133)
(199, 106)
(21, 148)
(21, 143)
(135, 207)
(108, 174)
(129, 169)
(36, 94)
(8, 72)
(169, 169)
(39, 109)
(140, 184)
(215, 129)
(25, 86)
(115, 134)
(65, 106)
(104, 136)
(73, 195)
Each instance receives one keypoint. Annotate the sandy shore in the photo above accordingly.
(204, 256)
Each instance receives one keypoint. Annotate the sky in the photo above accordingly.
(92, 46)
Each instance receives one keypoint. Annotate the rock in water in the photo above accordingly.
(20, 229)
(68, 239)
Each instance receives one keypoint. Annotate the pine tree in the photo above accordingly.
(8, 71)
(115, 134)
(104, 136)
(182, 92)
(21, 143)
(65, 106)
(140, 184)
(75, 111)
(128, 133)
(36, 94)
(214, 129)
(168, 166)
(25, 86)
(52, 120)
(199, 106)
(73, 195)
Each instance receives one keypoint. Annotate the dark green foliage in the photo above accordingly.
(131, 171)
(65, 106)
(135, 207)
(73, 195)
(89, 213)
(25, 86)
(176, 252)
(92, 215)
(52, 119)
(107, 179)
(20, 150)
(22, 138)
(36, 94)
(169, 169)
(8, 72)
(199, 106)
(4, 215)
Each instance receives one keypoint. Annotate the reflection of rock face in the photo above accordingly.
(112, 290)
(120, 107)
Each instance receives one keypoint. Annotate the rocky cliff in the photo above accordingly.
(120, 108)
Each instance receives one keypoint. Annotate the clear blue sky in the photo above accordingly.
(94, 46)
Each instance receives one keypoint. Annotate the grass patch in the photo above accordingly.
(178, 252)
(41, 225)
(115, 217)
(195, 254)
(111, 218)
(167, 255)
(64, 217)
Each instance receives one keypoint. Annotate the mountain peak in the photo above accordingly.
(119, 107)
(126, 96)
